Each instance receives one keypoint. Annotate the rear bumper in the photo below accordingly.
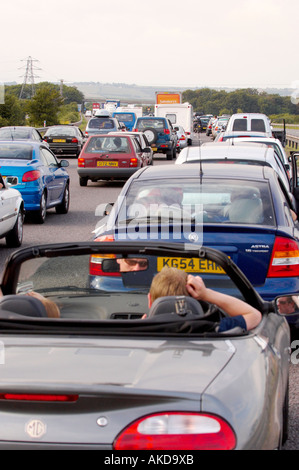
(65, 149)
(106, 173)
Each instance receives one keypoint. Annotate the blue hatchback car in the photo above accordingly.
(41, 179)
(243, 212)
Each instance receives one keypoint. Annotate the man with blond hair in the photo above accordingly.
(173, 281)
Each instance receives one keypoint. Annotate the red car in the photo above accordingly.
(110, 156)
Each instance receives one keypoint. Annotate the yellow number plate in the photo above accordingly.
(107, 163)
(190, 265)
(59, 140)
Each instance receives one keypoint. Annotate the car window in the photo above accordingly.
(228, 201)
(240, 125)
(108, 144)
(49, 157)
(172, 118)
(152, 123)
(101, 123)
(61, 131)
(16, 151)
(137, 145)
(17, 134)
(258, 125)
(128, 117)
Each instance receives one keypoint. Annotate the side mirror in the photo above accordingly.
(147, 150)
(103, 209)
(287, 305)
(63, 163)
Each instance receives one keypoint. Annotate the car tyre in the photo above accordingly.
(14, 238)
(40, 215)
(83, 181)
(63, 207)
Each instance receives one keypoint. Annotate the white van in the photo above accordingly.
(247, 124)
(179, 114)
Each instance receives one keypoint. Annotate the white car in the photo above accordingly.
(241, 152)
(182, 137)
(11, 214)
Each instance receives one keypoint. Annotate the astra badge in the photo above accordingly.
(35, 428)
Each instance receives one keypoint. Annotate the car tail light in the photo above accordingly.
(285, 258)
(81, 162)
(86, 133)
(220, 139)
(135, 130)
(177, 431)
(45, 139)
(30, 176)
(95, 265)
(133, 162)
(183, 137)
(166, 131)
(74, 140)
(95, 261)
(38, 397)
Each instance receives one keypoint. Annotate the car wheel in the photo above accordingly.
(63, 207)
(151, 135)
(83, 181)
(40, 215)
(15, 237)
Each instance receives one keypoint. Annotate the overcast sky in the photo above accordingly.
(186, 43)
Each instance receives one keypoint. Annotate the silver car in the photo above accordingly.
(101, 377)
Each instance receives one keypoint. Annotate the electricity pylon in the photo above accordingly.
(29, 77)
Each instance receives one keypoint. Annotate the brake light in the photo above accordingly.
(177, 431)
(183, 137)
(45, 139)
(220, 139)
(285, 258)
(74, 140)
(86, 133)
(135, 130)
(31, 176)
(166, 131)
(38, 397)
(95, 266)
(81, 162)
(133, 162)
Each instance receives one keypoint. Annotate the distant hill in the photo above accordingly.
(124, 92)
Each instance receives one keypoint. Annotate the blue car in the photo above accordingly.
(246, 213)
(128, 118)
(34, 171)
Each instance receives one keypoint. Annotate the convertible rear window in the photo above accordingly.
(16, 151)
(225, 201)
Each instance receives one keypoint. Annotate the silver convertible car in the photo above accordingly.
(104, 371)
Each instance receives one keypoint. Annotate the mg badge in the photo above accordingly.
(193, 237)
(35, 429)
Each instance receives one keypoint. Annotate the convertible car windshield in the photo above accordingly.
(102, 283)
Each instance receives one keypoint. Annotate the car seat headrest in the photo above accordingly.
(23, 305)
(179, 304)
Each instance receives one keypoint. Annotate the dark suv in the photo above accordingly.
(160, 135)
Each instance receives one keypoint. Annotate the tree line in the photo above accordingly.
(48, 105)
(249, 100)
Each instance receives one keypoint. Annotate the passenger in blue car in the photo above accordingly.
(173, 281)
